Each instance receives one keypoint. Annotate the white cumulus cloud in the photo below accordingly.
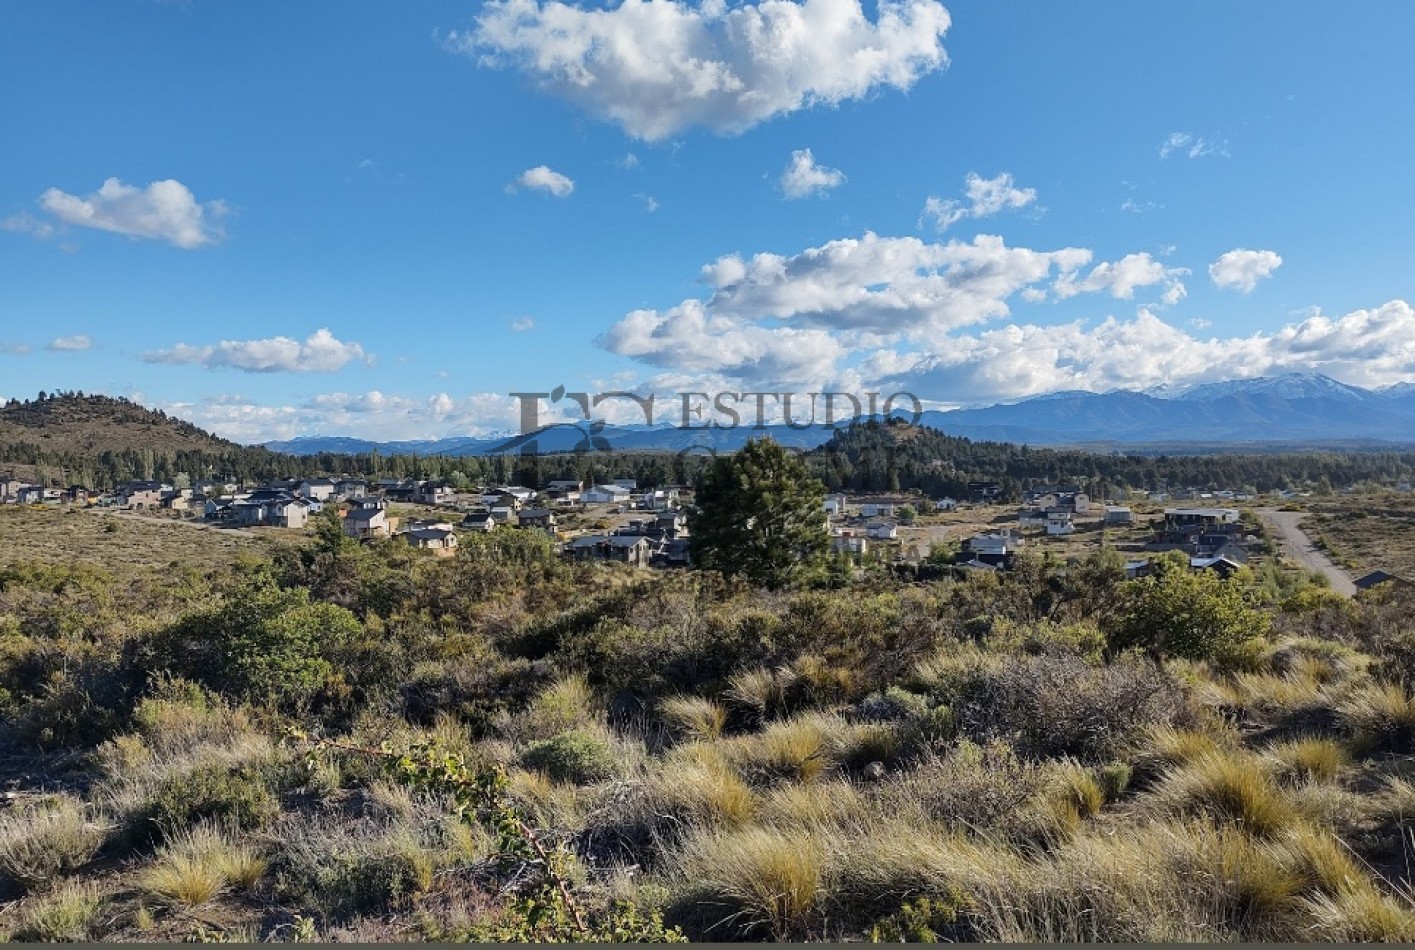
(1121, 278)
(543, 178)
(163, 211)
(1193, 146)
(522, 324)
(1241, 269)
(321, 352)
(658, 67)
(985, 197)
(69, 344)
(803, 177)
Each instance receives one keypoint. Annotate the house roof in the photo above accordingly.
(588, 541)
(536, 513)
(627, 541)
(1374, 578)
(363, 514)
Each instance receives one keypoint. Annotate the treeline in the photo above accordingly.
(872, 456)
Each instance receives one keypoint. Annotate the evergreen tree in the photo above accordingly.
(760, 514)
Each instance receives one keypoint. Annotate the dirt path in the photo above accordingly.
(1296, 545)
(146, 519)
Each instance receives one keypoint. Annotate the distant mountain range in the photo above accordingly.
(1295, 408)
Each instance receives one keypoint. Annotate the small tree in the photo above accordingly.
(760, 514)
(1177, 612)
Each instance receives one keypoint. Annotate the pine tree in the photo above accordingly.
(760, 514)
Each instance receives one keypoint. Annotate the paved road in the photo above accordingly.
(1296, 545)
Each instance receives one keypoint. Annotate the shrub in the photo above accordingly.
(979, 786)
(1176, 612)
(39, 845)
(573, 756)
(1060, 706)
(237, 797)
(1114, 779)
(353, 870)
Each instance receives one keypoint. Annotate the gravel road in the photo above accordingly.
(1296, 545)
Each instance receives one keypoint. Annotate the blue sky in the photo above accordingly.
(380, 219)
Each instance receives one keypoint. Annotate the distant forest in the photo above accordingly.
(99, 441)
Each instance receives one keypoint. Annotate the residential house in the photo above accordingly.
(1059, 522)
(404, 491)
(984, 491)
(835, 505)
(564, 485)
(587, 547)
(1221, 566)
(1118, 515)
(1032, 517)
(29, 495)
(434, 493)
(846, 541)
(365, 523)
(479, 521)
(76, 495)
(946, 504)
(605, 495)
(635, 552)
(141, 494)
(1200, 517)
(347, 489)
(1136, 569)
(316, 489)
(882, 531)
(878, 508)
(542, 518)
(673, 523)
(1377, 578)
(992, 549)
(287, 512)
(628, 484)
(502, 498)
(8, 486)
(439, 537)
(503, 514)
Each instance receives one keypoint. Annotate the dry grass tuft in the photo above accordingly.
(39, 845)
(754, 880)
(1380, 718)
(199, 864)
(1309, 758)
(66, 914)
(694, 718)
(1226, 786)
(1360, 915)
(801, 749)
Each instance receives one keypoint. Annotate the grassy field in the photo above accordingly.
(1365, 533)
(63, 535)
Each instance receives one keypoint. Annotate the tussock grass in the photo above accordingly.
(199, 864)
(698, 785)
(66, 914)
(1380, 718)
(568, 703)
(1225, 786)
(761, 691)
(694, 718)
(753, 881)
(801, 749)
(821, 805)
(1362, 915)
(40, 844)
(1309, 758)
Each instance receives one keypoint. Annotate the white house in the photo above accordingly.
(946, 504)
(877, 508)
(1059, 523)
(882, 531)
(605, 495)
